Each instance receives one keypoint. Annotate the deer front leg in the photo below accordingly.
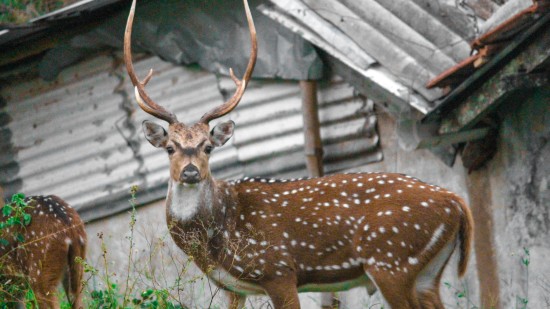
(283, 292)
(236, 301)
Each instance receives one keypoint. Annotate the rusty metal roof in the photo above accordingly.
(490, 43)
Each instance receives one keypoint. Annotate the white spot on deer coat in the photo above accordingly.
(413, 260)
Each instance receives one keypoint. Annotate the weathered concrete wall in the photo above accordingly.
(151, 233)
(520, 175)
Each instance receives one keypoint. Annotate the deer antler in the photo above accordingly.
(241, 84)
(144, 101)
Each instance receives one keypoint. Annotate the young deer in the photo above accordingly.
(387, 232)
(52, 241)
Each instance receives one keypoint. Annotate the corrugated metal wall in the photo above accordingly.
(80, 136)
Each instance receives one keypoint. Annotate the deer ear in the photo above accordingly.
(154, 133)
(221, 133)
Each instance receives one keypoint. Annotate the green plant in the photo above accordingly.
(462, 295)
(132, 201)
(14, 219)
(521, 302)
(20, 11)
(154, 299)
(111, 294)
(107, 291)
(14, 215)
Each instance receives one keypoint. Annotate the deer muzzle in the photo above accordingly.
(190, 174)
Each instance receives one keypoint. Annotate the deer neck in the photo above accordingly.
(204, 202)
(197, 215)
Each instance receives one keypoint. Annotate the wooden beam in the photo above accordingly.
(453, 138)
(479, 191)
(314, 154)
(312, 132)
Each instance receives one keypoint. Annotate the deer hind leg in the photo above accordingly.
(45, 292)
(429, 299)
(46, 298)
(397, 291)
(236, 301)
(46, 278)
(427, 282)
(283, 292)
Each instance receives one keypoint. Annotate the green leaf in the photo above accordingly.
(147, 293)
(4, 242)
(20, 237)
(6, 210)
(460, 294)
(27, 219)
(17, 197)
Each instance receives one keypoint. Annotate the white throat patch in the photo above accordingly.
(185, 200)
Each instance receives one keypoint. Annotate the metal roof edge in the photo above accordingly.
(494, 64)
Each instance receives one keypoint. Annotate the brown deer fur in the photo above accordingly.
(52, 241)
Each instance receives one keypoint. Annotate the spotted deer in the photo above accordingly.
(384, 231)
(51, 242)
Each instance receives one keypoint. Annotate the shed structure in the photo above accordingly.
(403, 86)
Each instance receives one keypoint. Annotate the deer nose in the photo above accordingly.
(190, 174)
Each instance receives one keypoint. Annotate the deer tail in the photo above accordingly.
(77, 250)
(465, 233)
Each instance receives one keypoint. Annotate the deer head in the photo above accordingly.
(188, 146)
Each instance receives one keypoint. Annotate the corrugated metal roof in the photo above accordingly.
(411, 40)
(80, 136)
(493, 41)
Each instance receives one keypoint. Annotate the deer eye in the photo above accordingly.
(170, 150)
(208, 149)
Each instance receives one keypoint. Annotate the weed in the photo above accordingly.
(112, 295)
(13, 287)
(14, 215)
(521, 302)
(20, 11)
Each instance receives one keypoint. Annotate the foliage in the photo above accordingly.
(521, 302)
(112, 296)
(21, 11)
(14, 217)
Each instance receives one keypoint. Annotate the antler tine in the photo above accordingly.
(144, 101)
(241, 84)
